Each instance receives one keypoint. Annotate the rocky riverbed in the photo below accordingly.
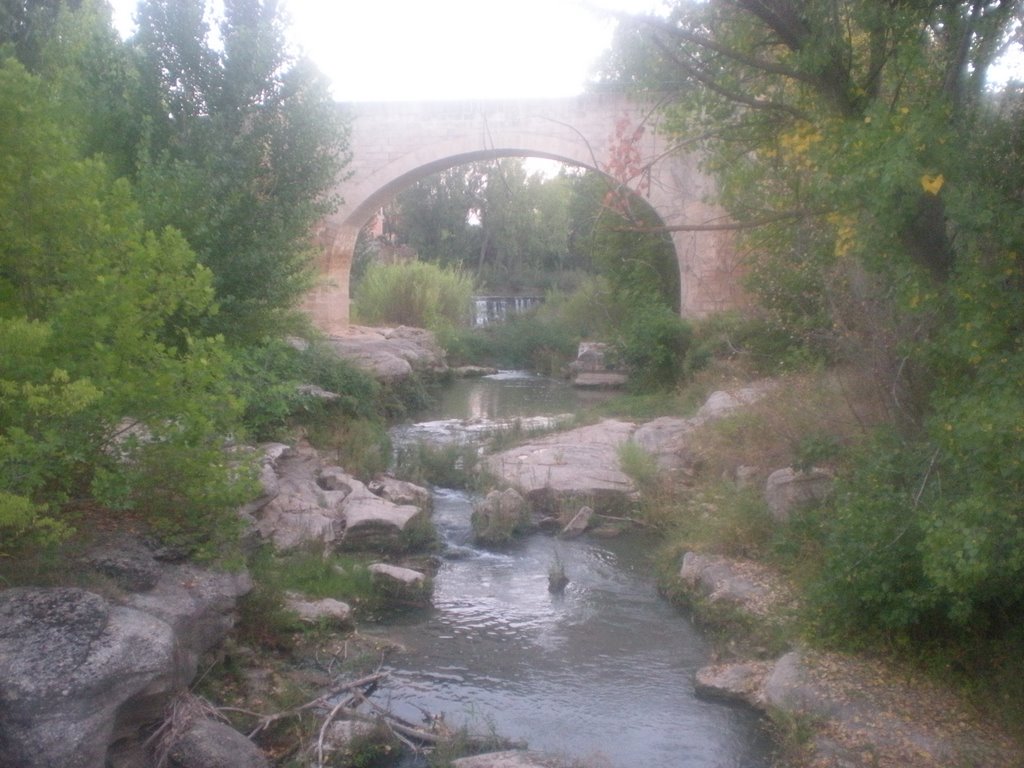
(87, 673)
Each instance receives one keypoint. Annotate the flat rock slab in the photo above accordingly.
(515, 758)
(752, 587)
(874, 714)
(389, 354)
(610, 380)
(863, 713)
(581, 463)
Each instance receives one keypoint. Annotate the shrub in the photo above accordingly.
(269, 377)
(414, 293)
(653, 345)
(529, 340)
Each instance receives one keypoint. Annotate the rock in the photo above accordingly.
(752, 587)
(326, 610)
(127, 561)
(733, 682)
(402, 585)
(668, 439)
(473, 371)
(271, 454)
(319, 393)
(558, 580)
(78, 673)
(405, 577)
(580, 464)
(578, 524)
(723, 403)
(389, 354)
(374, 523)
(322, 504)
(212, 744)
(604, 380)
(500, 516)
(198, 604)
(400, 492)
(515, 758)
(302, 512)
(335, 479)
(788, 490)
(75, 672)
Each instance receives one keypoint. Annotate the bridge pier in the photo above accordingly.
(327, 304)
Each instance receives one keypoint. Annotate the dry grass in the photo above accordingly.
(806, 418)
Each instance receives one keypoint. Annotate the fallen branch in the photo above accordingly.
(265, 721)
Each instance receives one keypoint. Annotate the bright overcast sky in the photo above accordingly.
(448, 49)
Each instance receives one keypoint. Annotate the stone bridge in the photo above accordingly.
(395, 144)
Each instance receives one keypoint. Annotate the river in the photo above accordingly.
(602, 672)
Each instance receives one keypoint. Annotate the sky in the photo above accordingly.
(405, 50)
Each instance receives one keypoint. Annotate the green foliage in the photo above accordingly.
(22, 524)
(93, 310)
(877, 187)
(653, 346)
(271, 376)
(414, 293)
(530, 340)
(511, 230)
(872, 574)
(241, 147)
(448, 466)
(641, 466)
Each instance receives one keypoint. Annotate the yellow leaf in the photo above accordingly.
(932, 184)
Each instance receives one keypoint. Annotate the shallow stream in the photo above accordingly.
(602, 673)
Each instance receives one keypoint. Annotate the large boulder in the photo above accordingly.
(302, 511)
(389, 354)
(580, 465)
(403, 586)
(745, 585)
(320, 504)
(80, 672)
(76, 672)
(376, 524)
(725, 402)
(400, 491)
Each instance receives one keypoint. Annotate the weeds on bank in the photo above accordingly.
(451, 465)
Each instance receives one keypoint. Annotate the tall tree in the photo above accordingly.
(244, 145)
(876, 185)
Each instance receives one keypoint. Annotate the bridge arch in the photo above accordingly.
(396, 144)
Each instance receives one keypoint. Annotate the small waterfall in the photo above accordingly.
(495, 309)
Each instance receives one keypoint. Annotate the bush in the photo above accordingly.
(527, 341)
(270, 376)
(653, 346)
(414, 293)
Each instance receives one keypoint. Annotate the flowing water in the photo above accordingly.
(602, 672)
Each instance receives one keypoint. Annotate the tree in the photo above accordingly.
(242, 149)
(875, 184)
(94, 318)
